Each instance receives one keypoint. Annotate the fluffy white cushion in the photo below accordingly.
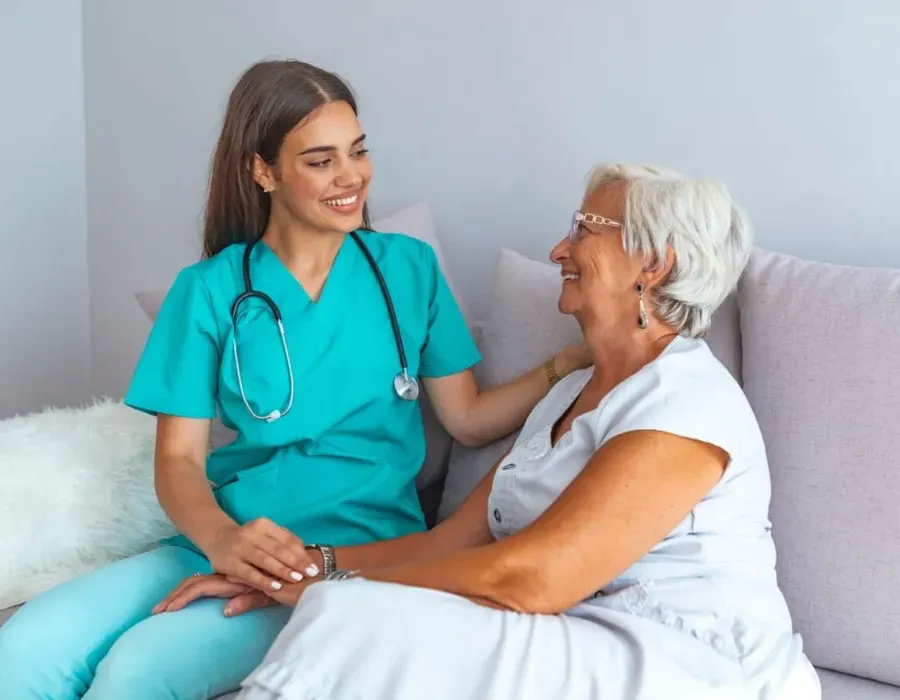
(417, 221)
(523, 328)
(77, 494)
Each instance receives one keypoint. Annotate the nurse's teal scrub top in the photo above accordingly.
(340, 466)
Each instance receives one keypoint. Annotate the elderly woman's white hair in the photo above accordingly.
(708, 231)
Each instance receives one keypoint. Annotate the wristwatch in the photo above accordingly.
(328, 560)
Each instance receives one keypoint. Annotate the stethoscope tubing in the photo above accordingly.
(405, 386)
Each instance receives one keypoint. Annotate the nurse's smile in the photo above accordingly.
(346, 204)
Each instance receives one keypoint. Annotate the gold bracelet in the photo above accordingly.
(550, 370)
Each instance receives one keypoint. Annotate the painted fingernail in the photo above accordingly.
(296, 575)
(276, 585)
(312, 570)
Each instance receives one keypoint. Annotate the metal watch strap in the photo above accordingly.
(341, 574)
(328, 560)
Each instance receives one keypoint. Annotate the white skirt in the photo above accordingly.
(361, 640)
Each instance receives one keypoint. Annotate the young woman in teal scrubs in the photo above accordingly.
(326, 451)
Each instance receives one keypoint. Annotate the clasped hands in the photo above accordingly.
(254, 566)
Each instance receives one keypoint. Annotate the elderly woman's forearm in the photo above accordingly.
(464, 529)
(376, 555)
(483, 574)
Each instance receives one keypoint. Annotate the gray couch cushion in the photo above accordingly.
(820, 368)
(837, 686)
(724, 337)
(523, 328)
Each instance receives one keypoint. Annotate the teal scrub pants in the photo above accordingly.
(94, 637)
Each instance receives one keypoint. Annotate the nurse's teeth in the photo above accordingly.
(345, 202)
(570, 277)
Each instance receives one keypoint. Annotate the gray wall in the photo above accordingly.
(493, 112)
(43, 255)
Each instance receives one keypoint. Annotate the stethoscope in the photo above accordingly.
(405, 386)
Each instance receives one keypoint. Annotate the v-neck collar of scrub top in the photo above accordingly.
(270, 275)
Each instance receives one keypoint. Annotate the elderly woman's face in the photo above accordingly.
(599, 277)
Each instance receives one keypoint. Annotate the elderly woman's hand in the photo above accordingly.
(242, 598)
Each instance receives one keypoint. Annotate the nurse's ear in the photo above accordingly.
(263, 174)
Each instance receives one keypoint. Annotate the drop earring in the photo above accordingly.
(643, 320)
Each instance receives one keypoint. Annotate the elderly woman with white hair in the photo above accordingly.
(622, 549)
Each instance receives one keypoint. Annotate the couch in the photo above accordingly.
(815, 348)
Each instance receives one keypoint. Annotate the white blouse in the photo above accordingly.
(714, 575)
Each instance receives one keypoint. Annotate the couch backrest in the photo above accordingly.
(821, 368)
(724, 337)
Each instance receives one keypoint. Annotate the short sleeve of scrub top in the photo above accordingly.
(177, 371)
(449, 347)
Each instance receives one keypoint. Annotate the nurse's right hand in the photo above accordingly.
(261, 554)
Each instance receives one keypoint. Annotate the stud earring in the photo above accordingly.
(643, 319)
(268, 189)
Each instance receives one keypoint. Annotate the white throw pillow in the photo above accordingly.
(417, 221)
(77, 494)
(523, 328)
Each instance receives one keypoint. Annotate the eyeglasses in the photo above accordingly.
(580, 218)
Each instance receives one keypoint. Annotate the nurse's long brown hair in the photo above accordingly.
(269, 100)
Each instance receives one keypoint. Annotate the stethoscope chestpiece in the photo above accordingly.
(407, 387)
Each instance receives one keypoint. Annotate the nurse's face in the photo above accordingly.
(323, 171)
